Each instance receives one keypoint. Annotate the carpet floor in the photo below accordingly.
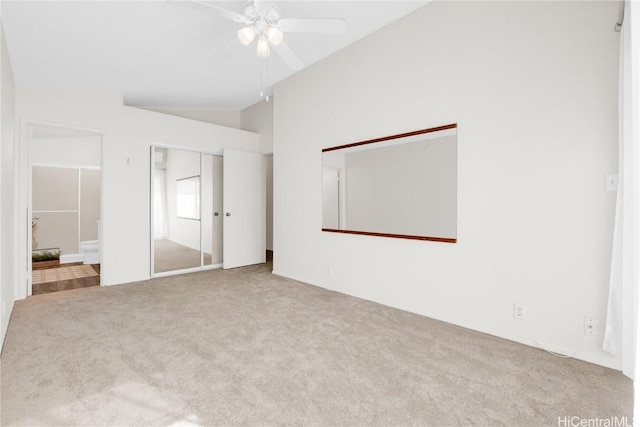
(171, 256)
(245, 347)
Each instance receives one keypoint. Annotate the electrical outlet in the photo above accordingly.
(519, 312)
(330, 271)
(590, 326)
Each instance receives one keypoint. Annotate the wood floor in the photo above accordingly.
(65, 285)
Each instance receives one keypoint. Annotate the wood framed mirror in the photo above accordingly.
(402, 186)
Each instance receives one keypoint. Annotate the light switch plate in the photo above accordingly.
(611, 181)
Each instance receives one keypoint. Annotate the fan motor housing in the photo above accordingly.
(270, 16)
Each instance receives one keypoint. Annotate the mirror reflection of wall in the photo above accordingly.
(403, 186)
(330, 197)
(186, 209)
(212, 208)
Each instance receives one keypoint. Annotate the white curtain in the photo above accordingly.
(160, 225)
(621, 332)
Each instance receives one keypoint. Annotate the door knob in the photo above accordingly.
(216, 214)
(227, 214)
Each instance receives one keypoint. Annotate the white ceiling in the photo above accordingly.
(163, 54)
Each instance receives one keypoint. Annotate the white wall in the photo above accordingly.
(127, 135)
(228, 118)
(73, 151)
(533, 88)
(258, 118)
(8, 233)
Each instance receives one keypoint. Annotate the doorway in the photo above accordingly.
(65, 206)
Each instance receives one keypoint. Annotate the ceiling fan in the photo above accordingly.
(261, 21)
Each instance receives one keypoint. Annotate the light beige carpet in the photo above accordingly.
(62, 273)
(244, 347)
(170, 256)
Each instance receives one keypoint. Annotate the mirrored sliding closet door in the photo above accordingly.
(188, 217)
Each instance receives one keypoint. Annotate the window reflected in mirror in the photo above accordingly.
(401, 186)
(188, 197)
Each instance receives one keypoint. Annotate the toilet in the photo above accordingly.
(91, 248)
(91, 251)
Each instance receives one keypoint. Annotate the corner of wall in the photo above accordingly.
(258, 118)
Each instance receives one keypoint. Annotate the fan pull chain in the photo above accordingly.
(261, 77)
(264, 78)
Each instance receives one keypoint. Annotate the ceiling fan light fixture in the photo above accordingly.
(247, 34)
(263, 48)
(275, 35)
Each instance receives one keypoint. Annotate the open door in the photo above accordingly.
(244, 205)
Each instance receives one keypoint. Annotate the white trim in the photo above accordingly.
(59, 126)
(79, 204)
(152, 160)
(187, 270)
(60, 211)
(200, 187)
(190, 149)
(57, 165)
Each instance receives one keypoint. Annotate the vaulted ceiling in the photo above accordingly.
(167, 54)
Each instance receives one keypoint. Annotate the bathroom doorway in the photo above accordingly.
(65, 209)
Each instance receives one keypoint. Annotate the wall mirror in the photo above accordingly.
(402, 186)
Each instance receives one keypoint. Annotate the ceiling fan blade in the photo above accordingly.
(313, 25)
(202, 6)
(288, 56)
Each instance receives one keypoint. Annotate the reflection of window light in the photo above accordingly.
(188, 197)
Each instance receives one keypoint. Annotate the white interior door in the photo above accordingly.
(244, 209)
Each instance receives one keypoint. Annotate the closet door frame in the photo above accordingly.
(259, 191)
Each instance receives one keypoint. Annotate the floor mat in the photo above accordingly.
(62, 273)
